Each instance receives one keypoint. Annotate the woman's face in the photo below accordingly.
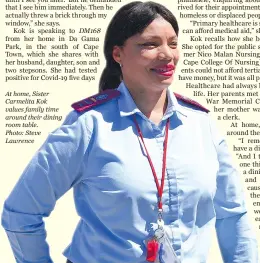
(149, 59)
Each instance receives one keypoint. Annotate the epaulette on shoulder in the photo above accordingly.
(190, 101)
(95, 100)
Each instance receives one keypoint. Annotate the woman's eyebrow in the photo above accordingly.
(157, 37)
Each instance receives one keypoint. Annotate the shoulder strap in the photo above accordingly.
(191, 102)
(97, 99)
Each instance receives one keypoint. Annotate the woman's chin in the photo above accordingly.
(160, 86)
(165, 82)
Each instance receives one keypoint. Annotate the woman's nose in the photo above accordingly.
(165, 53)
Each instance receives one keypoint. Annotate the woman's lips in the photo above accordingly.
(164, 71)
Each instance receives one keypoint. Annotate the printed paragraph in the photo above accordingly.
(221, 65)
(39, 45)
(22, 112)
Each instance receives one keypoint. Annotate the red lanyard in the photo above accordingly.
(159, 188)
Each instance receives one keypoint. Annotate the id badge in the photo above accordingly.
(159, 248)
(166, 253)
(153, 245)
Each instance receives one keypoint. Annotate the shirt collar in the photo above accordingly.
(128, 107)
(126, 103)
(173, 104)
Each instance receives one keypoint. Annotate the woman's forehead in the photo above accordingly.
(157, 28)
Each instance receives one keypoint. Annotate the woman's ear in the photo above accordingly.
(116, 53)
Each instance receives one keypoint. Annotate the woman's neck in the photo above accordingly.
(152, 104)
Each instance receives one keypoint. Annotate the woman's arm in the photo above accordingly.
(237, 241)
(54, 169)
(236, 238)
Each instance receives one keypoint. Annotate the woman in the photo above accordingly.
(151, 175)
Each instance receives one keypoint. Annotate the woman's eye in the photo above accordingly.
(149, 44)
(173, 45)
